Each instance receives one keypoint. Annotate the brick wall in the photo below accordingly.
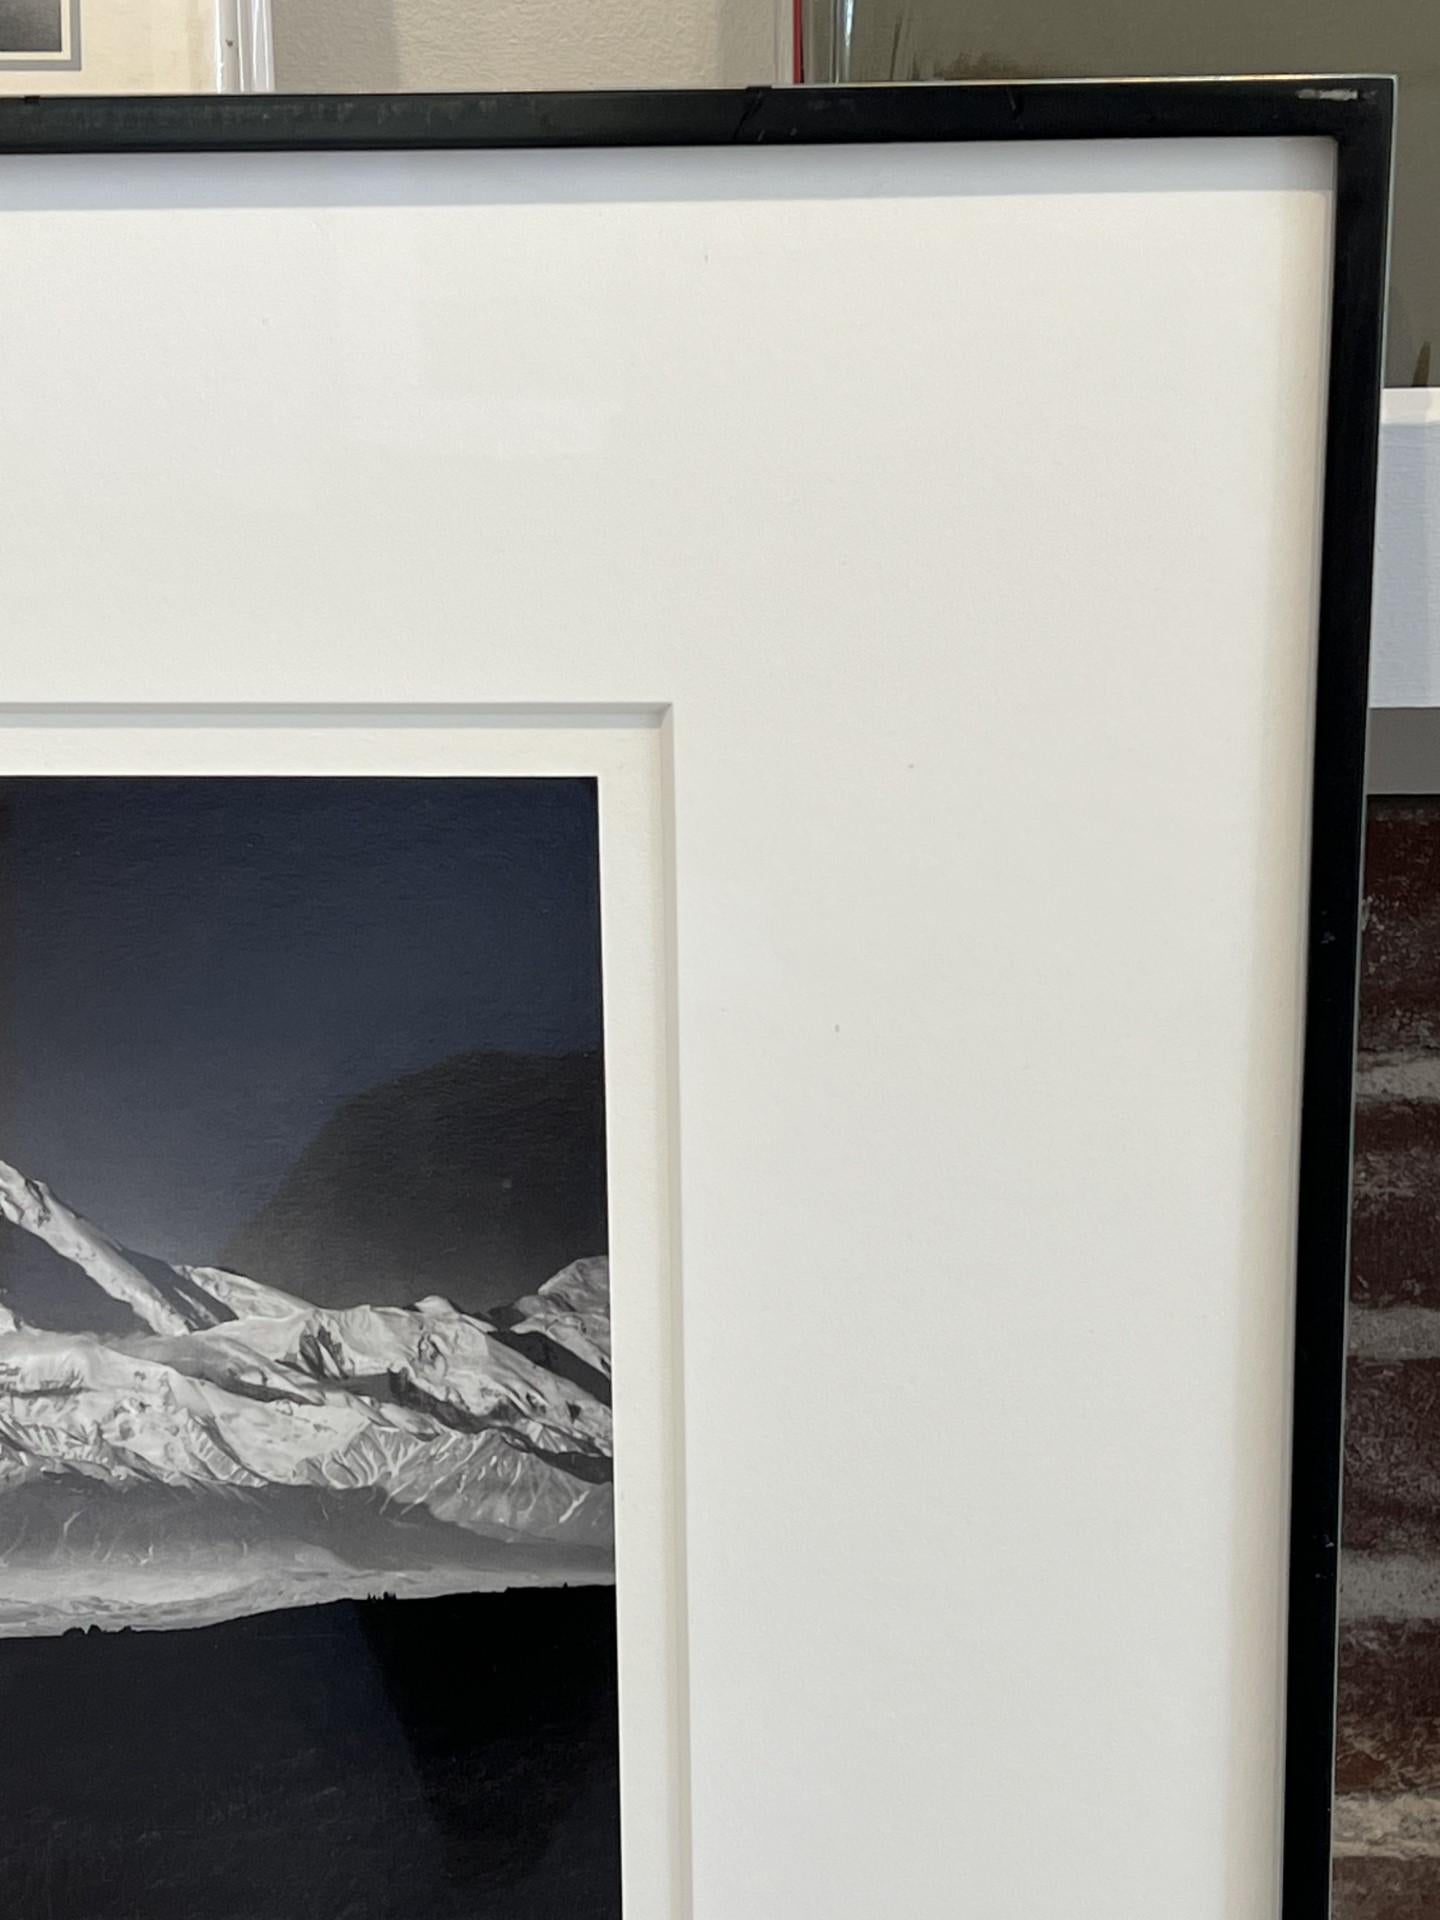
(1387, 1813)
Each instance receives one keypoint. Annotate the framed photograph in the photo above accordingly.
(680, 808)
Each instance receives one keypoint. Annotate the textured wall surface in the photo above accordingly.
(1387, 1833)
(377, 46)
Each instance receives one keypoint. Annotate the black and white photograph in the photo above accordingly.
(34, 26)
(306, 1474)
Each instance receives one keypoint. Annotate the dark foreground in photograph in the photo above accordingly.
(448, 1759)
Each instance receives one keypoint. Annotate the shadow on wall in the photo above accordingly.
(336, 46)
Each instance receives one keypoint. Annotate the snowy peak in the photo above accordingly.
(230, 1386)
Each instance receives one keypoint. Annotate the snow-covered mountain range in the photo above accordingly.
(241, 1449)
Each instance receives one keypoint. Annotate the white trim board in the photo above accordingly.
(245, 49)
(1405, 658)
(1405, 664)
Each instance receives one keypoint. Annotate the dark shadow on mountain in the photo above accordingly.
(199, 1308)
(477, 1179)
(452, 1759)
(47, 1290)
(549, 1354)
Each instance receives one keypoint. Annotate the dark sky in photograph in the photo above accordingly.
(195, 972)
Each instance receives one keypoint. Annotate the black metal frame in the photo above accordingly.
(1357, 115)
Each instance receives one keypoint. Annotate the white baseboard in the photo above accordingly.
(1405, 658)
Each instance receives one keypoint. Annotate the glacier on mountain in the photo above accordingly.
(282, 1453)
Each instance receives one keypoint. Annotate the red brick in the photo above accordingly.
(1388, 1738)
(1400, 956)
(1392, 1456)
(1370, 1887)
(1396, 1246)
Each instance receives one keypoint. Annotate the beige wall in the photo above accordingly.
(1009, 39)
(378, 45)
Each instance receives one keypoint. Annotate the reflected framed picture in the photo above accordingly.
(35, 34)
(678, 912)
(135, 46)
